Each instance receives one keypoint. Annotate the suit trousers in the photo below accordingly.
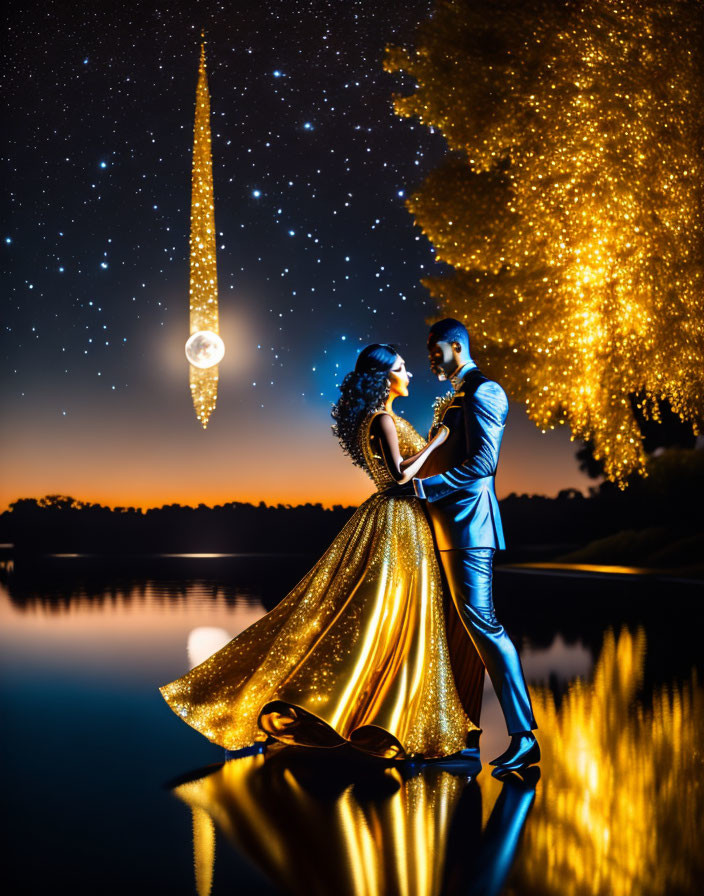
(469, 575)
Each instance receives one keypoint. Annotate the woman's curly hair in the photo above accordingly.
(363, 390)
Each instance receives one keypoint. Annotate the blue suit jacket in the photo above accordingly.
(461, 499)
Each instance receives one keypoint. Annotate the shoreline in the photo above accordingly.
(10, 560)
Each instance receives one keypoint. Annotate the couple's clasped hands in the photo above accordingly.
(403, 470)
(404, 485)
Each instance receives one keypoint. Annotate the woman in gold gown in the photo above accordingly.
(357, 652)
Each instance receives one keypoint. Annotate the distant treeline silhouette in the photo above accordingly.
(667, 504)
(62, 524)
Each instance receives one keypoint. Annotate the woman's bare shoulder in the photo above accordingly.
(382, 422)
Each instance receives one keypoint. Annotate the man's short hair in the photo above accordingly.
(449, 330)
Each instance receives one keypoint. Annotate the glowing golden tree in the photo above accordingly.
(572, 205)
(204, 348)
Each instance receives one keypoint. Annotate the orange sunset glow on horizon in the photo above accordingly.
(279, 460)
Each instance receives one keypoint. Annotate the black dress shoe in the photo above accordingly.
(523, 751)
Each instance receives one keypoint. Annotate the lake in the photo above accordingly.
(106, 791)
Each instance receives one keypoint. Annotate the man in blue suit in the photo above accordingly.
(457, 482)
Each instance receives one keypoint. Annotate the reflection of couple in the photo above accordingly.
(358, 651)
(392, 831)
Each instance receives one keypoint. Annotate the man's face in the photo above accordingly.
(443, 358)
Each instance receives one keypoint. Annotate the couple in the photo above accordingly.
(365, 650)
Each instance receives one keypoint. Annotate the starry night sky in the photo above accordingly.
(317, 255)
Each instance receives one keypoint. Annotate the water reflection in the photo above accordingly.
(322, 825)
(138, 632)
(618, 810)
(622, 800)
(205, 640)
(55, 582)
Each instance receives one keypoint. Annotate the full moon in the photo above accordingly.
(205, 349)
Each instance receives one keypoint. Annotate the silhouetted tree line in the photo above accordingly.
(668, 500)
(667, 504)
(61, 524)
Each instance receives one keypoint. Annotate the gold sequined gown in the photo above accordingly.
(356, 653)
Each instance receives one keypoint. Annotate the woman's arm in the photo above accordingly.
(402, 469)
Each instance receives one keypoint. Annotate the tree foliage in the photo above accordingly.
(571, 205)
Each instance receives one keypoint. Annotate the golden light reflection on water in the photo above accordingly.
(203, 850)
(621, 804)
(317, 824)
(618, 809)
(309, 843)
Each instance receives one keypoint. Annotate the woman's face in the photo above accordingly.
(399, 377)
